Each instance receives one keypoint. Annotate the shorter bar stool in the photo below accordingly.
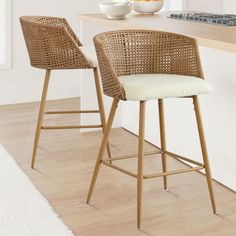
(140, 65)
(52, 45)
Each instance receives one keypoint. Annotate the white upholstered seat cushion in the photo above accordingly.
(152, 86)
(90, 54)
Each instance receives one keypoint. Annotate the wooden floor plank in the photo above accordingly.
(64, 168)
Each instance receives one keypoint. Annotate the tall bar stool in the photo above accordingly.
(141, 65)
(52, 45)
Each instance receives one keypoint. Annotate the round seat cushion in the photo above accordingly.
(144, 87)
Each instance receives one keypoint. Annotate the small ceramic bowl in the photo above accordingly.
(114, 11)
(148, 7)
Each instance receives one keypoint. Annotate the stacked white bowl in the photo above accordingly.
(147, 6)
(116, 10)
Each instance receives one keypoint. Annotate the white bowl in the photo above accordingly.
(148, 7)
(115, 12)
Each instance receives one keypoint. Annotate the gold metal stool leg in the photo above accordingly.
(101, 106)
(40, 116)
(204, 151)
(102, 148)
(140, 162)
(163, 139)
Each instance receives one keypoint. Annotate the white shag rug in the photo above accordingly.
(23, 210)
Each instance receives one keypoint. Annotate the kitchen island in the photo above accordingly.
(217, 49)
(213, 36)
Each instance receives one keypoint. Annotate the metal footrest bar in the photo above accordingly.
(72, 127)
(127, 156)
(119, 169)
(173, 172)
(184, 158)
(70, 112)
(108, 163)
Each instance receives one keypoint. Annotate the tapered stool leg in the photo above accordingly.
(40, 116)
(163, 139)
(101, 106)
(204, 151)
(102, 148)
(140, 162)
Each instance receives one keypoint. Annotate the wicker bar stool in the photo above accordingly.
(52, 45)
(141, 65)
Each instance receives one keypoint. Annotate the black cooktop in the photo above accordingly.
(208, 18)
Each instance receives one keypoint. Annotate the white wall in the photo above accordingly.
(213, 6)
(173, 5)
(23, 83)
(229, 6)
(2, 27)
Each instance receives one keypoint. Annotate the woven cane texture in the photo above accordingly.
(52, 44)
(130, 52)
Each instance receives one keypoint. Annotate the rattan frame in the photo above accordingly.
(52, 45)
(126, 52)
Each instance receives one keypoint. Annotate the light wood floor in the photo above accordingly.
(63, 172)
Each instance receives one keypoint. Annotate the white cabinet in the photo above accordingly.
(218, 109)
(219, 115)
